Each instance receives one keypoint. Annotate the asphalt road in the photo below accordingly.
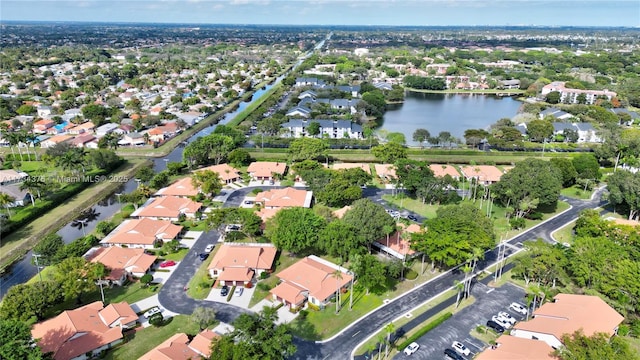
(173, 297)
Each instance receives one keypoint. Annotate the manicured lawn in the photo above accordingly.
(283, 261)
(200, 284)
(565, 234)
(486, 335)
(415, 205)
(634, 343)
(577, 192)
(178, 255)
(146, 339)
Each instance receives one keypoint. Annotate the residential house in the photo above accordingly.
(82, 140)
(11, 176)
(571, 95)
(307, 94)
(105, 129)
(509, 84)
(43, 125)
(238, 263)
(383, 86)
(179, 347)
(633, 116)
(55, 140)
(132, 139)
(398, 244)
(21, 197)
(142, 233)
(484, 174)
(168, 208)
(86, 127)
(333, 129)
(84, 332)
(299, 111)
(122, 262)
(183, 188)
(284, 198)
(302, 81)
(386, 172)
(556, 113)
(311, 279)
(227, 173)
(44, 111)
(163, 132)
(567, 314)
(343, 166)
(586, 133)
(353, 90)
(266, 170)
(440, 170)
(514, 348)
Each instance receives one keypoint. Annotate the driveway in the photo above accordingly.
(241, 301)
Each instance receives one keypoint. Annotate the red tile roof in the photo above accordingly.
(75, 332)
(168, 207)
(443, 170)
(264, 169)
(143, 231)
(129, 259)
(515, 348)
(182, 187)
(284, 198)
(226, 172)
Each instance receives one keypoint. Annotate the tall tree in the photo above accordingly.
(624, 192)
(530, 184)
(567, 170)
(578, 346)
(307, 149)
(295, 229)
(16, 341)
(208, 181)
(203, 316)
(539, 130)
(48, 248)
(77, 277)
(587, 167)
(369, 219)
(454, 234)
(26, 301)
(340, 239)
(371, 272)
(389, 152)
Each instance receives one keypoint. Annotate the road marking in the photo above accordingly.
(490, 290)
(355, 334)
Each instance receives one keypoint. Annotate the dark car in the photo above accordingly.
(224, 291)
(412, 217)
(203, 256)
(495, 326)
(452, 354)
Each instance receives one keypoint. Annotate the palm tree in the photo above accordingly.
(389, 328)
(338, 275)
(6, 200)
(146, 137)
(458, 285)
(33, 140)
(388, 229)
(353, 279)
(32, 185)
(467, 279)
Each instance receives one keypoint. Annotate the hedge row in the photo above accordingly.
(430, 326)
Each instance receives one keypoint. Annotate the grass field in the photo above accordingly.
(16, 244)
(565, 233)
(577, 192)
(146, 339)
(200, 284)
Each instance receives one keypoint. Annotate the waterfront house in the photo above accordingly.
(333, 129)
(122, 262)
(168, 208)
(227, 173)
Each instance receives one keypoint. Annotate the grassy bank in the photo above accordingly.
(475, 92)
(16, 244)
(253, 106)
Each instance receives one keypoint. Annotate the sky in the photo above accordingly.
(332, 12)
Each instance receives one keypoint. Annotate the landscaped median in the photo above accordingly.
(200, 284)
(16, 244)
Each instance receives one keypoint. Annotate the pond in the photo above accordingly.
(454, 113)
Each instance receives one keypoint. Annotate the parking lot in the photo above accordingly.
(488, 302)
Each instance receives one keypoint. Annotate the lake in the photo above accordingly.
(454, 113)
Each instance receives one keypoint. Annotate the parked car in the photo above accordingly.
(168, 263)
(154, 310)
(224, 291)
(413, 347)
(460, 348)
(507, 317)
(502, 322)
(209, 248)
(248, 202)
(238, 291)
(412, 218)
(495, 326)
(519, 308)
(203, 256)
(451, 354)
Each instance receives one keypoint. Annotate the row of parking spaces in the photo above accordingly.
(453, 336)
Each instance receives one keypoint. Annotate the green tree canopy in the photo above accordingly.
(295, 229)
(454, 233)
(341, 239)
(369, 219)
(578, 346)
(26, 301)
(208, 181)
(16, 342)
(587, 167)
(389, 152)
(624, 192)
(532, 181)
(567, 170)
(539, 130)
(48, 248)
(307, 149)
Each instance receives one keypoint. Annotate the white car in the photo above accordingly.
(413, 347)
(507, 317)
(460, 348)
(519, 308)
(502, 322)
(154, 310)
(209, 248)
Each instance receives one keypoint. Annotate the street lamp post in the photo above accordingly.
(118, 196)
(36, 256)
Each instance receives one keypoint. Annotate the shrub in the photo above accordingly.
(156, 319)
(264, 275)
(146, 279)
(263, 286)
(418, 334)
(233, 288)
(517, 223)
(313, 307)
